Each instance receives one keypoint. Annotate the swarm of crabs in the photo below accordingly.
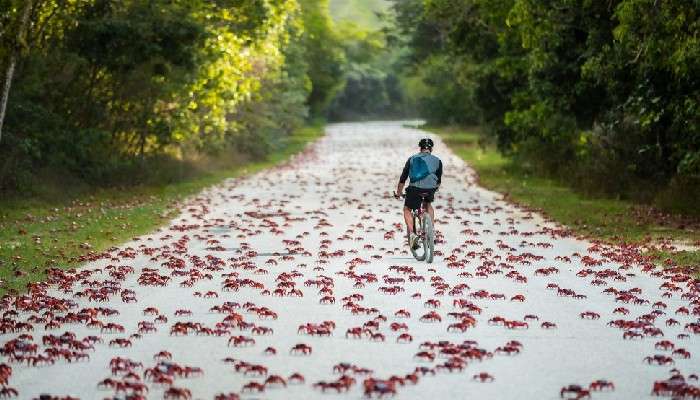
(337, 279)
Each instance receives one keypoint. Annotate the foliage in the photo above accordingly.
(575, 89)
(103, 86)
(372, 88)
(324, 55)
(449, 100)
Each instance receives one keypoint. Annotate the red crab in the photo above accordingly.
(404, 338)
(600, 385)
(432, 303)
(461, 326)
(425, 356)
(253, 386)
(395, 326)
(682, 353)
(300, 348)
(255, 370)
(275, 380)
(575, 392)
(483, 377)
(659, 360)
(240, 341)
(296, 378)
(111, 327)
(379, 387)
(431, 317)
(377, 337)
(120, 342)
(589, 315)
(507, 350)
(632, 335)
(177, 394)
(664, 345)
(262, 330)
(516, 325)
(354, 332)
(227, 396)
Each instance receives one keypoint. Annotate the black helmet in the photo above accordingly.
(426, 143)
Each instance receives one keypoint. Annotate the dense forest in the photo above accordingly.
(105, 91)
(603, 95)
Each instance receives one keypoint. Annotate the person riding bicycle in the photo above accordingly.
(425, 173)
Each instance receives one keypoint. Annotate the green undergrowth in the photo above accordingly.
(40, 233)
(601, 218)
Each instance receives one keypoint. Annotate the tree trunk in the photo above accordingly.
(142, 143)
(14, 54)
(6, 90)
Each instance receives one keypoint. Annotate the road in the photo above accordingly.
(324, 225)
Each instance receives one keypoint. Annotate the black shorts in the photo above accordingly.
(413, 197)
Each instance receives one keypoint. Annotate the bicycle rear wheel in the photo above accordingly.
(429, 242)
(419, 250)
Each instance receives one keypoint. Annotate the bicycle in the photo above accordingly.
(425, 232)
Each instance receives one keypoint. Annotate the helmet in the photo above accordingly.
(426, 143)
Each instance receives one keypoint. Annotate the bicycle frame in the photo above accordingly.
(423, 227)
(418, 216)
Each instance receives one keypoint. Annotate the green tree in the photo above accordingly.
(372, 87)
(13, 32)
(575, 87)
(324, 56)
(104, 86)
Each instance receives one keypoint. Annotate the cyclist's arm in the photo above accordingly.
(402, 179)
(438, 173)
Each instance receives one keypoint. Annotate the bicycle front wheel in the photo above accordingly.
(429, 238)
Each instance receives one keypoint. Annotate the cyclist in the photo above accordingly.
(425, 173)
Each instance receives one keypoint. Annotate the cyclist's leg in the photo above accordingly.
(431, 211)
(429, 203)
(411, 202)
(408, 218)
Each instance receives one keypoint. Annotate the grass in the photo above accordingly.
(37, 234)
(607, 219)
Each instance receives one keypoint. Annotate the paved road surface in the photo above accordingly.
(331, 207)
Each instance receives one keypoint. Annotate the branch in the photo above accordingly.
(40, 30)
